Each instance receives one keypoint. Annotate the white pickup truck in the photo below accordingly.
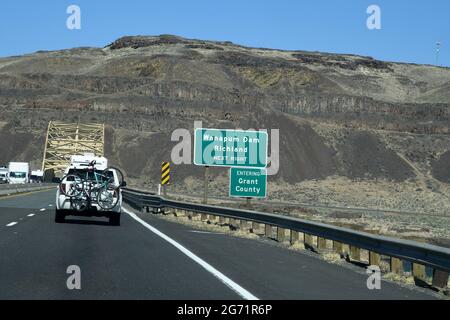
(90, 169)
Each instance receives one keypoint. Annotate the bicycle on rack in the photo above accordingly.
(90, 186)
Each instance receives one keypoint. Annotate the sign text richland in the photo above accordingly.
(230, 148)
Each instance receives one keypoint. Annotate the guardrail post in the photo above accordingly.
(204, 217)
(355, 253)
(418, 271)
(440, 278)
(255, 227)
(221, 219)
(268, 230)
(294, 237)
(243, 224)
(321, 243)
(280, 234)
(396, 265)
(337, 247)
(374, 258)
(308, 239)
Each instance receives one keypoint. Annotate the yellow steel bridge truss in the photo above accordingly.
(67, 139)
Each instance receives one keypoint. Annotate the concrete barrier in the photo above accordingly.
(7, 189)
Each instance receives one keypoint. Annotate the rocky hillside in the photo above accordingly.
(340, 116)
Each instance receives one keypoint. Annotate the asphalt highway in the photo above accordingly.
(147, 257)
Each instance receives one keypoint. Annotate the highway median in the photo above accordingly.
(16, 189)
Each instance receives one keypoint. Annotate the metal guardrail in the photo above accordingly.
(327, 207)
(423, 254)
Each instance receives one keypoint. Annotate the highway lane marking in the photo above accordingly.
(43, 209)
(216, 273)
(11, 224)
(30, 215)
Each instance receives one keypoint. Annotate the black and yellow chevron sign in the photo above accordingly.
(165, 173)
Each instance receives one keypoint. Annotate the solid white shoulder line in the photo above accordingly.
(11, 224)
(227, 281)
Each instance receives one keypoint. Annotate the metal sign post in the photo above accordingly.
(205, 185)
(247, 202)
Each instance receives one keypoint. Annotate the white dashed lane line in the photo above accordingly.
(28, 215)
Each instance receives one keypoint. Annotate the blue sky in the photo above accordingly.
(409, 31)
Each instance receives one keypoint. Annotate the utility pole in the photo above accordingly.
(438, 47)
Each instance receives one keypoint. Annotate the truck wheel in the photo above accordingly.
(59, 216)
(114, 219)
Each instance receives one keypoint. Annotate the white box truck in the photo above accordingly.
(18, 172)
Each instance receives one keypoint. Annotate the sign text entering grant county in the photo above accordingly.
(230, 148)
(248, 182)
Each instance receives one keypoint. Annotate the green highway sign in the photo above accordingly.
(248, 182)
(230, 148)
